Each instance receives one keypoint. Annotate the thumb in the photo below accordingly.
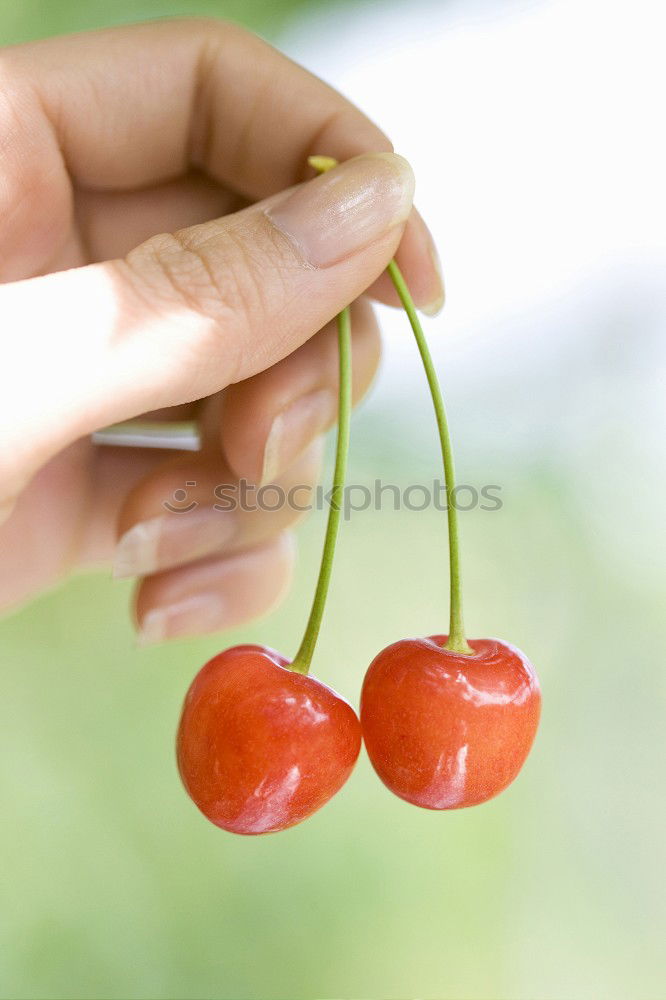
(186, 314)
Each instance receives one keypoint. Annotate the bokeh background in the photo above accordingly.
(536, 133)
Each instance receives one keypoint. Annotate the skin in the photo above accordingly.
(154, 129)
(259, 747)
(446, 730)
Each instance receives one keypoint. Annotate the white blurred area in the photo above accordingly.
(536, 131)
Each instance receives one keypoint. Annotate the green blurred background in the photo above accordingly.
(114, 886)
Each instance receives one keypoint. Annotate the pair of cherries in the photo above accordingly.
(447, 723)
(261, 747)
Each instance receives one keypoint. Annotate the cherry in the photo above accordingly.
(261, 747)
(444, 729)
(447, 723)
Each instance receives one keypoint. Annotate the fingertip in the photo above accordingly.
(435, 305)
(419, 261)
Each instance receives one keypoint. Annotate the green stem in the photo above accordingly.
(303, 658)
(456, 641)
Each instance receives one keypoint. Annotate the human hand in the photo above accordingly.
(112, 137)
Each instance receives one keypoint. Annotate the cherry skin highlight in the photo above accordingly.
(445, 730)
(261, 747)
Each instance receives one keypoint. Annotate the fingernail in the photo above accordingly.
(191, 616)
(435, 306)
(348, 208)
(294, 428)
(171, 540)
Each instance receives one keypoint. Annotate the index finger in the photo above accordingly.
(134, 106)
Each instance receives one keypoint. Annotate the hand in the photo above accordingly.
(108, 139)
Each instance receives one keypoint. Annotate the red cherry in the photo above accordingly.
(445, 730)
(261, 747)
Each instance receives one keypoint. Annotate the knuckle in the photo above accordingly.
(174, 279)
(207, 24)
(173, 271)
(232, 278)
(183, 273)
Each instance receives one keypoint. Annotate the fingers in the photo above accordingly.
(269, 419)
(186, 315)
(218, 593)
(191, 508)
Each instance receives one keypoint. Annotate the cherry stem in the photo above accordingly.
(457, 642)
(303, 659)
